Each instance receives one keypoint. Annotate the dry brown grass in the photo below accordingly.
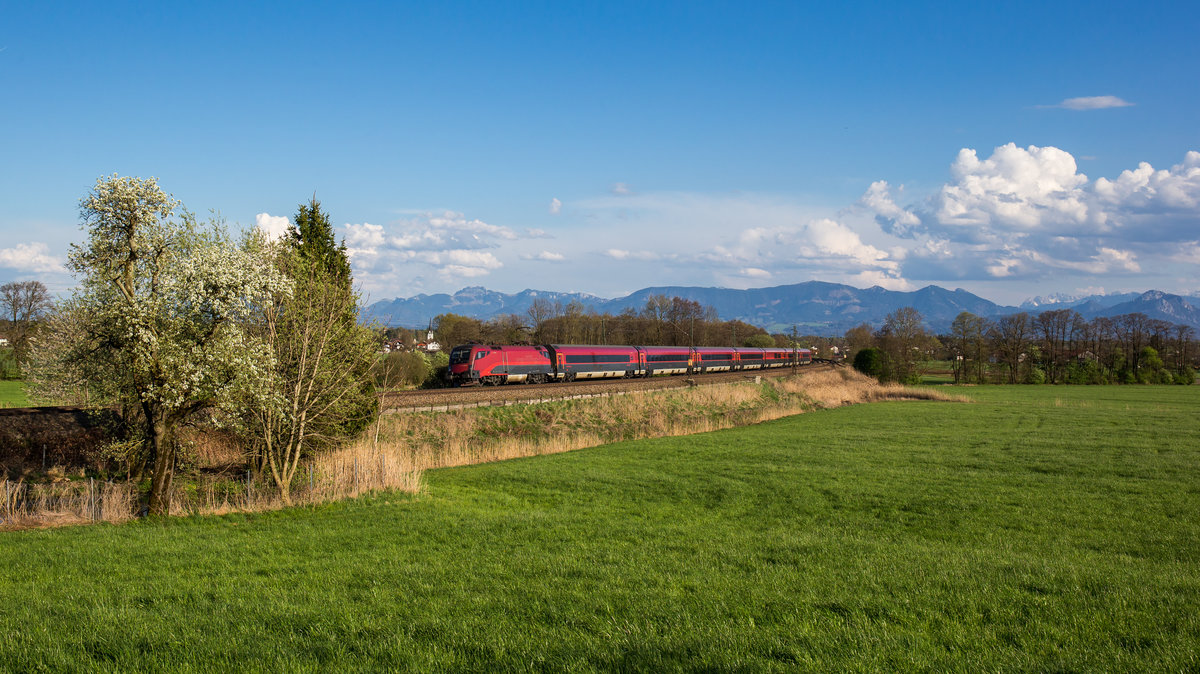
(465, 437)
(835, 388)
(24, 505)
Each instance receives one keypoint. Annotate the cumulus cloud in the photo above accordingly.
(821, 244)
(621, 189)
(472, 258)
(447, 230)
(1092, 103)
(894, 219)
(1028, 212)
(555, 207)
(32, 257)
(1146, 190)
(454, 245)
(273, 226)
(1015, 189)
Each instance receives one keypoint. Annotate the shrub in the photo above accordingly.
(1084, 372)
(402, 369)
(1186, 376)
(869, 362)
(439, 366)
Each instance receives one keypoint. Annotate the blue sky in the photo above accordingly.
(1012, 150)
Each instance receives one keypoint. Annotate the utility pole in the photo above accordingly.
(794, 353)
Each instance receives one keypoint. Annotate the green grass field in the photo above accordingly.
(1041, 528)
(12, 393)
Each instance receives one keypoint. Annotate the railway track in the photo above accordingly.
(397, 401)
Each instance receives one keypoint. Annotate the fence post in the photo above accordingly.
(92, 497)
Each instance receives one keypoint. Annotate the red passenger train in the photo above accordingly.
(472, 364)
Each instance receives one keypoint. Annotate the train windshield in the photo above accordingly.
(460, 355)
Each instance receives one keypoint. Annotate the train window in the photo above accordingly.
(481, 354)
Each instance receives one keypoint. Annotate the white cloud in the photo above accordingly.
(878, 198)
(473, 258)
(364, 243)
(1016, 189)
(31, 257)
(731, 239)
(1107, 261)
(1028, 212)
(1092, 103)
(867, 279)
(544, 256)
(454, 245)
(644, 255)
(273, 226)
(621, 189)
(1145, 189)
(461, 271)
(447, 230)
(555, 207)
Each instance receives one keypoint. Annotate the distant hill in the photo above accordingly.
(820, 308)
(1061, 301)
(474, 301)
(814, 307)
(1155, 304)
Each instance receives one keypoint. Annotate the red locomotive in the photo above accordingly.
(473, 364)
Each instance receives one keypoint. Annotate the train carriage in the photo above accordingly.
(714, 359)
(668, 360)
(777, 358)
(749, 358)
(595, 362)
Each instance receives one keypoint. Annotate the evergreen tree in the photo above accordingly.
(313, 239)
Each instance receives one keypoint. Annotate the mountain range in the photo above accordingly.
(814, 307)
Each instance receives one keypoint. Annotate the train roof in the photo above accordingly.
(590, 346)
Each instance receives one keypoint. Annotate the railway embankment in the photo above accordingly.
(464, 431)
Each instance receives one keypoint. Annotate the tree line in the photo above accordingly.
(1054, 347)
(663, 321)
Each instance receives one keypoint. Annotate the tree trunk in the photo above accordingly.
(164, 464)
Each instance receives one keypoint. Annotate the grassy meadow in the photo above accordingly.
(1045, 528)
(12, 393)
